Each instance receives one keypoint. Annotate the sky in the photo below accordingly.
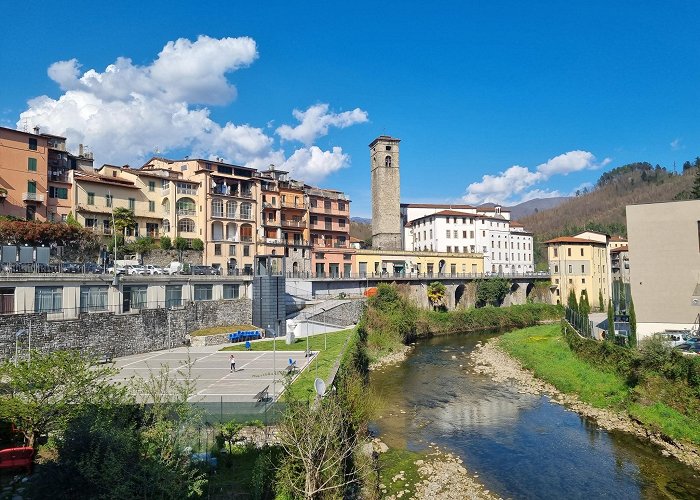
(493, 101)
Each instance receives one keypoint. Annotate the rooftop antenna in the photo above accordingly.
(25, 125)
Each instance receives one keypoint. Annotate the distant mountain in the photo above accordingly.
(361, 220)
(536, 205)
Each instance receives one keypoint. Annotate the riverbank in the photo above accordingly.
(587, 390)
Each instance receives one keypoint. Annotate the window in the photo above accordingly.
(568, 252)
(32, 144)
(91, 199)
(313, 202)
(93, 298)
(217, 249)
(556, 268)
(166, 226)
(453, 268)
(232, 291)
(327, 204)
(217, 207)
(314, 219)
(151, 206)
(173, 296)
(387, 161)
(48, 299)
(449, 249)
(583, 281)
(60, 193)
(245, 211)
(138, 297)
(341, 206)
(231, 209)
(464, 234)
(232, 250)
(185, 225)
(151, 186)
(583, 268)
(341, 222)
(556, 252)
(448, 233)
(320, 255)
(570, 268)
(109, 200)
(246, 251)
(31, 164)
(203, 292)
(455, 234)
(132, 204)
(582, 252)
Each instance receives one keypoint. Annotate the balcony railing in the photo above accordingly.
(294, 223)
(302, 206)
(186, 211)
(246, 239)
(165, 191)
(271, 241)
(33, 197)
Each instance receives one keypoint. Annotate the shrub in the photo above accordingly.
(166, 243)
(197, 244)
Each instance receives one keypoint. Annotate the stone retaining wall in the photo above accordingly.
(119, 334)
(345, 314)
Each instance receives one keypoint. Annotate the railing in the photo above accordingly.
(246, 194)
(186, 211)
(246, 239)
(181, 190)
(302, 206)
(272, 241)
(293, 223)
(417, 275)
(62, 177)
(33, 197)
(579, 322)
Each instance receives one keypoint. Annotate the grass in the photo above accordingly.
(303, 385)
(543, 350)
(215, 330)
(391, 463)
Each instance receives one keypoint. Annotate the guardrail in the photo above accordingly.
(408, 276)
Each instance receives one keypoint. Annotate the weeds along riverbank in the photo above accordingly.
(653, 391)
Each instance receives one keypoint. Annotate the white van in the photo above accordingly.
(173, 268)
(671, 339)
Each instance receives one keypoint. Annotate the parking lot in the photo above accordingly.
(210, 370)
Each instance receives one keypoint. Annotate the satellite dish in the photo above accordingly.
(320, 386)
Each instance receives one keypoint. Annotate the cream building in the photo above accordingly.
(401, 262)
(580, 262)
(664, 256)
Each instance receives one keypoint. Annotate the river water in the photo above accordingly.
(521, 446)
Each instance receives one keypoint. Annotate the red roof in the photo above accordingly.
(623, 248)
(515, 224)
(618, 238)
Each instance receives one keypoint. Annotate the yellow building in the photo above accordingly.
(578, 263)
(400, 262)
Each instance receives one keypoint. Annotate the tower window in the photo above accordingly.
(387, 161)
(388, 148)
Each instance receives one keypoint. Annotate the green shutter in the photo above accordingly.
(31, 164)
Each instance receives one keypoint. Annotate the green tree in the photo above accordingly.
(197, 244)
(695, 193)
(492, 291)
(142, 245)
(166, 243)
(601, 303)
(181, 244)
(571, 302)
(611, 322)
(584, 307)
(436, 294)
(633, 324)
(41, 395)
(123, 219)
(72, 221)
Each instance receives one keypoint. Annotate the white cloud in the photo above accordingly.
(127, 112)
(313, 164)
(676, 144)
(315, 122)
(513, 185)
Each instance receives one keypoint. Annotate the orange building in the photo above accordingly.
(329, 222)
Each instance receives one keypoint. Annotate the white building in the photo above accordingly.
(506, 246)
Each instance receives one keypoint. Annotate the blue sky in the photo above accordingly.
(537, 96)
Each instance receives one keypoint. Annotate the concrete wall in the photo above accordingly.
(120, 334)
(345, 314)
(165, 257)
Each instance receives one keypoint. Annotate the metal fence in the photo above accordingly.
(580, 322)
(415, 275)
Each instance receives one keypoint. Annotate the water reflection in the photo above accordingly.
(523, 446)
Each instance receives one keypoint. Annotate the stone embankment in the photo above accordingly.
(490, 360)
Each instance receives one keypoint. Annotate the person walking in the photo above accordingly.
(232, 363)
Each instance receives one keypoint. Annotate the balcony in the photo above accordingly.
(294, 223)
(269, 205)
(247, 194)
(246, 239)
(165, 191)
(186, 212)
(300, 206)
(58, 176)
(39, 198)
(271, 241)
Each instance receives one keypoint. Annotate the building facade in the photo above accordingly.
(664, 258)
(402, 263)
(579, 263)
(329, 224)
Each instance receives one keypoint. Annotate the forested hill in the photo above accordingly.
(603, 207)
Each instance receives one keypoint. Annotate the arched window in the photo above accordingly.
(166, 226)
(186, 206)
(231, 209)
(185, 226)
(387, 161)
(217, 207)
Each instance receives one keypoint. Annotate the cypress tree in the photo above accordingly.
(573, 305)
(583, 306)
(611, 322)
(633, 325)
(601, 304)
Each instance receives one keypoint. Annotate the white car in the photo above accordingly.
(151, 269)
(131, 270)
(174, 268)
(120, 270)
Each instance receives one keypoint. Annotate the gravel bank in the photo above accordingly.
(393, 358)
(490, 360)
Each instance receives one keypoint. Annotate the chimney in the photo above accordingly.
(36, 130)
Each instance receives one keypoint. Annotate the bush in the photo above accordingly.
(166, 243)
(197, 244)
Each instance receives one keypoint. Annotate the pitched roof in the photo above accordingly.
(623, 248)
(618, 238)
(571, 239)
(432, 205)
(515, 224)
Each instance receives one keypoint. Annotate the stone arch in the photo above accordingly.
(459, 293)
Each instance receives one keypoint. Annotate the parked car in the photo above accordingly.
(151, 269)
(689, 348)
(132, 270)
(92, 268)
(70, 267)
(120, 270)
(173, 268)
(670, 339)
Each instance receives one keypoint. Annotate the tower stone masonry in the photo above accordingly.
(386, 192)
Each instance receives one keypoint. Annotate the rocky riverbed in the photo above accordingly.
(490, 360)
(393, 358)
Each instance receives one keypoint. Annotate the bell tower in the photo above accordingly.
(386, 192)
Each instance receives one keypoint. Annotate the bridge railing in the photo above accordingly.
(410, 276)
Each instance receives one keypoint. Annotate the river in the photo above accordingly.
(522, 446)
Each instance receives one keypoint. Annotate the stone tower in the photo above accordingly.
(386, 209)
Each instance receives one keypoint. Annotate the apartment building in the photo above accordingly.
(329, 224)
(216, 202)
(580, 262)
(617, 242)
(664, 258)
(505, 244)
(401, 263)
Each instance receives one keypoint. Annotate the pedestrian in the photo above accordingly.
(232, 362)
